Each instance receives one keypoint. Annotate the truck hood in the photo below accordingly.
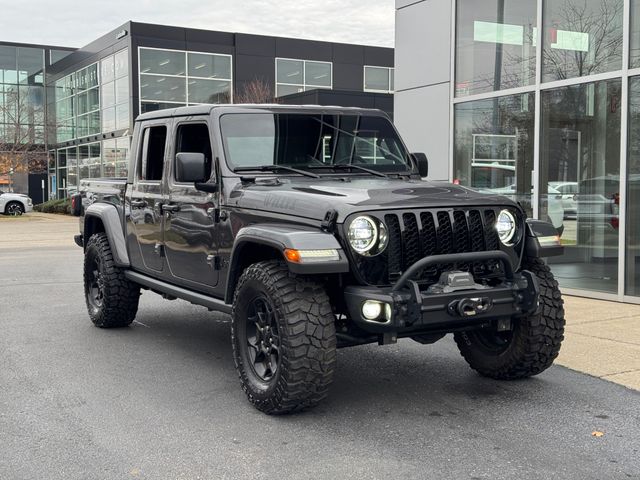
(312, 198)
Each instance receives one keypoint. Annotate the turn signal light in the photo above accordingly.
(311, 256)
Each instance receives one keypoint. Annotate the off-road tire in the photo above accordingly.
(306, 333)
(14, 208)
(119, 303)
(534, 342)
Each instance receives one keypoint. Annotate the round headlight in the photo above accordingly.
(506, 226)
(367, 235)
(363, 234)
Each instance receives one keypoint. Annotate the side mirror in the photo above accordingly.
(191, 167)
(422, 163)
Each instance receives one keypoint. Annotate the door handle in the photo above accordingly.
(170, 208)
(138, 203)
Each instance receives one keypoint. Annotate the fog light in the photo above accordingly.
(371, 309)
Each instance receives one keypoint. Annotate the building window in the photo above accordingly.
(294, 76)
(114, 91)
(495, 45)
(115, 157)
(581, 38)
(633, 191)
(21, 95)
(634, 42)
(493, 149)
(378, 79)
(173, 78)
(580, 146)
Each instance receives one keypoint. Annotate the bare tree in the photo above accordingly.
(604, 27)
(255, 91)
(22, 147)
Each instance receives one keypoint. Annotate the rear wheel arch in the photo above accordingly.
(92, 225)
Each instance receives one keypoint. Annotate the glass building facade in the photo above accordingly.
(544, 107)
(90, 103)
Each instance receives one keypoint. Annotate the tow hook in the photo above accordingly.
(468, 307)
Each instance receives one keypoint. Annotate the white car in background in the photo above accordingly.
(569, 192)
(497, 178)
(15, 203)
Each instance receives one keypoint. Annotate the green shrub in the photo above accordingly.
(61, 205)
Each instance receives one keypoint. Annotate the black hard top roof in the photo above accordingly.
(249, 107)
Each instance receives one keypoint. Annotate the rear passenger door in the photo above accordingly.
(145, 220)
(191, 241)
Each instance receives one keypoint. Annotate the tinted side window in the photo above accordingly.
(194, 138)
(153, 145)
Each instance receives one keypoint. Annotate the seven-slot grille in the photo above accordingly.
(414, 235)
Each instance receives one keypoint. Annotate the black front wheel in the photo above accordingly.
(532, 344)
(284, 338)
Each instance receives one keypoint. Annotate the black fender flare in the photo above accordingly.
(279, 238)
(110, 218)
(542, 239)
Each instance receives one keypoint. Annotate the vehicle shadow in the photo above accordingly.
(423, 380)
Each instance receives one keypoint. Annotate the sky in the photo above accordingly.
(75, 23)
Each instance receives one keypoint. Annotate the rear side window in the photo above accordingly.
(194, 138)
(152, 159)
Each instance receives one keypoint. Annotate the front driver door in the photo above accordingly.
(190, 229)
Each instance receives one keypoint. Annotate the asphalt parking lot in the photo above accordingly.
(161, 399)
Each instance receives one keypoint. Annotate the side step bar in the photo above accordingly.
(179, 292)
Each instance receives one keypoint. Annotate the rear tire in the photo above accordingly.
(284, 339)
(112, 300)
(533, 343)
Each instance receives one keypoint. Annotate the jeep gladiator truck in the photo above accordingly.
(313, 227)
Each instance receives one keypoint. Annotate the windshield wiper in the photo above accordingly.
(350, 166)
(273, 168)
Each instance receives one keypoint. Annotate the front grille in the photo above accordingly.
(415, 235)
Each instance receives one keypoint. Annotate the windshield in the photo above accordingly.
(308, 141)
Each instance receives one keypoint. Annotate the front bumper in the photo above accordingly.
(448, 309)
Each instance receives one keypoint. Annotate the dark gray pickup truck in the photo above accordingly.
(313, 227)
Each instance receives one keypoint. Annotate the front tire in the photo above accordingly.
(14, 208)
(284, 339)
(112, 300)
(533, 343)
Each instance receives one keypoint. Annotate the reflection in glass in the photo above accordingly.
(162, 61)
(633, 191)
(581, 38)
(493, 146)
(208, 91)
(580, 147)
(634, 42)
(290, 71)
(122, 90)
(206, 65)
(495, 45)
(317, 74)
(171, 89)
(122, 116)
(377, 78)
(107, 94)
(282, 90)
(107, 70)
(121, 63)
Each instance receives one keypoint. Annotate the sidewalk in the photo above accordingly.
(36, 229)
(601, 338)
